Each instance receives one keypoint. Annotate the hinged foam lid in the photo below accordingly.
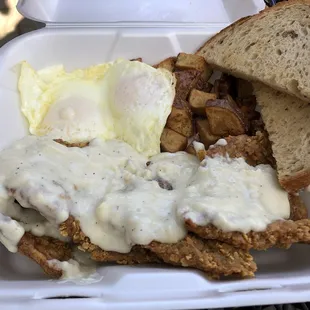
(137, 11)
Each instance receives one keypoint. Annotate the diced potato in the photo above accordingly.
(204, 86)
(182, 104)
(232, 102)
(250, 114)
(180, 120)
(167, 64)
(172, 141)
(205, 134)
(198, 99)
(224, 119)
(249, 101)
(196, 62)
(186, 81)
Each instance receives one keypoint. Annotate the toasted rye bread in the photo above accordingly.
(287, 121)
(272, 47)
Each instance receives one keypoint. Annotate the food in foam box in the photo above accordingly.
(115, 282)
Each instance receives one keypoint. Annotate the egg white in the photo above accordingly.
(47, 94)
(140, 98)
(126, 100)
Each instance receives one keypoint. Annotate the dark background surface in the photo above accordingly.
(24, 26)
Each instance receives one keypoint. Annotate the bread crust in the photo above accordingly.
(296, 182)
(208, 45)
(298, 178)
(260, 14)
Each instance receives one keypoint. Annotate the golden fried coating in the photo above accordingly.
(213, 257)
(211, 250)
(43, 249)
(137, 255)
(254, 149)
(299, 210)
(280, 233)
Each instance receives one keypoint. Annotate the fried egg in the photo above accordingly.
(126, 100)
(67, 106)
(140, 99)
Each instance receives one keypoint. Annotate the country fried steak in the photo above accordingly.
(213, 257)
(206, 248)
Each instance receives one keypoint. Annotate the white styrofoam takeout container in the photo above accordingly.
(80, 33)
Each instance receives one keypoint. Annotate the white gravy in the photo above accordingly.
(220, 142)
(122, 198)
(234, 196)
(73, 271)
(10, 232)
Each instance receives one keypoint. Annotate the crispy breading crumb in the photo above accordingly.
(280, 233)
(213, 257)
(43, 249)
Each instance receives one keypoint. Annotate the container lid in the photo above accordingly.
(137, 11)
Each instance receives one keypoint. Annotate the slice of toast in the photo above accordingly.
(271, 47)
(287, 120)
